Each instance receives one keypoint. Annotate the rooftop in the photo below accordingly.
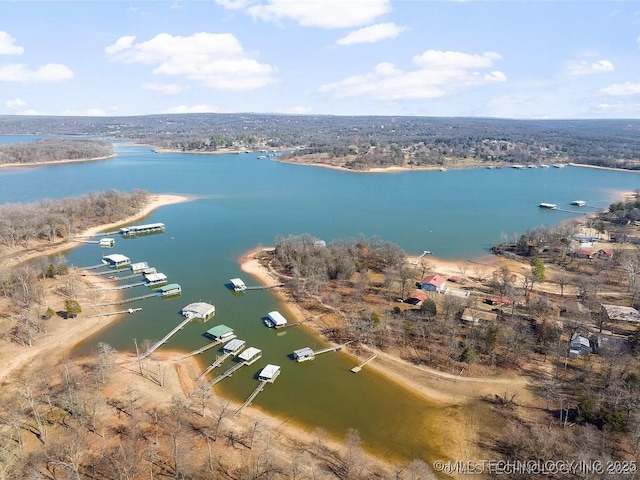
(435, 280)
(249, 353)
(199, 308)
(219, 331)
(116, 257)
(621, 314)
(269, 371)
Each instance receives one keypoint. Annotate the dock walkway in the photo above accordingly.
(200, 350)
(166, 338)
(230, 371)
(127, 300)
(265, 287)
(107, 314)
(219, 361)
(92, 267)
(331, 349)
(253, 395)
(120, 287)
(357, 368)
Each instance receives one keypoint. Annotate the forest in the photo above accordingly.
(52, 150)
(366, 141)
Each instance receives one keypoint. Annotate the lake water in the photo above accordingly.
(243, 202)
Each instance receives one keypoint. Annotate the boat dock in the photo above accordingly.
(108, 314)
(120, 287)
(264, 287)
(253, 395)
(357, 368)
(230, 371)
(134, 230)
(127, 300)
(219, 361)
(166, 338)
(92, 267)
(200, 350)
(306, 353)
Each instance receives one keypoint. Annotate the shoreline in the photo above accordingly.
(57, 162)
(155, 201)
(444, 388)
(598, 167)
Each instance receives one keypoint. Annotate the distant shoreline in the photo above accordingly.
(57, 162)
(597, 167)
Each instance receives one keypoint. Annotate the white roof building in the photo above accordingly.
(276, 320)
(198, 310)
(250, 355)
(269, 373)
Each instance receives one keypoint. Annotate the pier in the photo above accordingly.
(219, 361)
(166, 338)
(265, 287)
(306, 353)
(107, 314)
(120, 287)
(230, 371)
(253, 395)
(200, 350)
(127, 300)
(92, 267)
(357, 368)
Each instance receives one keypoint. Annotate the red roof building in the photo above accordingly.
(433, 283)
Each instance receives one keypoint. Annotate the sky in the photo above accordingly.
(475, 58)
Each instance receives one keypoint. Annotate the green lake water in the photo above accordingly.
(243, 202)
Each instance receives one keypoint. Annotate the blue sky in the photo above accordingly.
(511, 59)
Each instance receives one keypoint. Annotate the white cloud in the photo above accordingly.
(123, 43)
(617, 89)
(164, 88)
(371, 34)
(18, 72)
(590, 68)
(313, 13)
(439, 74)
(297, 110)
(8, 46)
(620, 107)
(217, 60)
(15, 103)
(192, 109)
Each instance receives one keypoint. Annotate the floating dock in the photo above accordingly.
(134, 230)
(116, 260)
(230, 349)
(200, 310)
(220, 332)
(357, 368)
(169, 290)
(166, 338)
(306, 353)
(275, 320)
(238, 285)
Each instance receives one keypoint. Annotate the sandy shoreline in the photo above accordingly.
(439, 387)
(46, 250)
(56, 162)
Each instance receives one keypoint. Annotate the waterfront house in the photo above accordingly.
(433, 283)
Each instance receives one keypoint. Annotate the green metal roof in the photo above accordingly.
(219, 330)
(171, 286)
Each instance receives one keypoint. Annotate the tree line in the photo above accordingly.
(49, 220)
(52, 150)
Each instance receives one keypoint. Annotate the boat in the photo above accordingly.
(544, 165)
(558, 165)
(238, 285)
(579, 203)
(551, 206)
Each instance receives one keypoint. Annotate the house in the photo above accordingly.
(433, 283)
(417, 297)
(472, 316)
(604, 252)
(618, 313)
(582, 253)
(580, 344)
(499, 301)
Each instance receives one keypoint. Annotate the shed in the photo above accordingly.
(474, 317)
(275, 320)
(269, 373)
(199, 310)
(250, 355)
(220, 332)
(433, 283)
(618, 313)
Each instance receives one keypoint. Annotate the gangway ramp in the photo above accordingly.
(166, 338)
(200, 350)
(230, 371)
(253, 395)
(219, 361)
(357, 368)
